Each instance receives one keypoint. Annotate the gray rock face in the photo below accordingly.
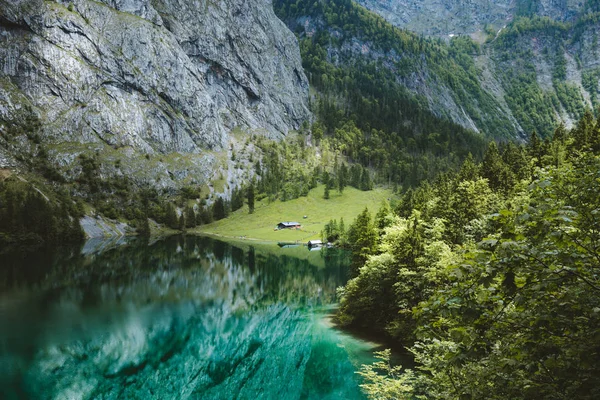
(156, 76)
(441, 18)
(100, 228)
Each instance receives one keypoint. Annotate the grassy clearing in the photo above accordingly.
(260, 225)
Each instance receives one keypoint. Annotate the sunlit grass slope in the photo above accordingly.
(318, 211)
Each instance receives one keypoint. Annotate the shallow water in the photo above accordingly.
(184, 317)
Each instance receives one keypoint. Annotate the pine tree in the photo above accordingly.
(171, 217)
(495, 171)
(250, 195)
(469, 171)
(190, 217)
(356, 172)
(237, 199)
(143, 227)
(362, 239)
(342, 177)
(516, 159)
(595, 137)
(326, 180)
(583, 132)
(218, 209)
(560, 134)
(382, 218)
(365, 180)
(342, 230)
(534, 147)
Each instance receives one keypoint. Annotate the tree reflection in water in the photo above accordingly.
(184, 317)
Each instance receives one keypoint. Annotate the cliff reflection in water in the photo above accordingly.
(185, 317)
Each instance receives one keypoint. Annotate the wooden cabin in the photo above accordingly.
(289, 225)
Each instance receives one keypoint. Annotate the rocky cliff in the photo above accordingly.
(503, 67)
(148, 76)
(441, 18)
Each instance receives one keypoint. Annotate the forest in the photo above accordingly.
(362, 102)
(489, 275)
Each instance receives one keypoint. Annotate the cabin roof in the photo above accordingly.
(289, 223)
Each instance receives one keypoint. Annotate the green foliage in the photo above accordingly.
(237, 198)
(362, 238)
(589, 80)
(383, 218)
(219, 209)
(383, 381)
(496, 171)
(290, 169)
(362, 104)
(571, 98)
(497, 290)
(171, 218)
(327, 183)
(190, 217)
(533, 108)
(142, 227)
(251, 197)
(30, 216)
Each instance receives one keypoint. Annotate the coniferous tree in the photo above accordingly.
(362, 239)
(218, 209)
(342, 177)
(356, 172)
(494, 169)
(469, 171)
(251, 197)
(515, 158)
(382, 218)
(534, 147)
(171, 217)
(206, 215)
(342, 230)
(594, 140)
(143, 227)
(326, 180)
(190, 217)
(365, 180)
(237, 198)
(583, 131)
(560, 134)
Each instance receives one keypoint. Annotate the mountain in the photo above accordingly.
(536, 69)
(448, 17)
(441, 77)
(146, 78)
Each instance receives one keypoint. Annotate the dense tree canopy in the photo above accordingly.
(491, 276)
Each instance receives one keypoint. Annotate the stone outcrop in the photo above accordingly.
(156, 76)
(442, 18)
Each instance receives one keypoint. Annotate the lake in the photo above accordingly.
(183, 317)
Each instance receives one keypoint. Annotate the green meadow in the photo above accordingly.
(261, 224)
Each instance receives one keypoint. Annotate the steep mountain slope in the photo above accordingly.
(441, 18)
(549, 70)
(535, 70)
(152, 77)
(440, 77)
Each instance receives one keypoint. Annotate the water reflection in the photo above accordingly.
(185, 317)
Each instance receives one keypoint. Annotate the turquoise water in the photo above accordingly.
(184, 317)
